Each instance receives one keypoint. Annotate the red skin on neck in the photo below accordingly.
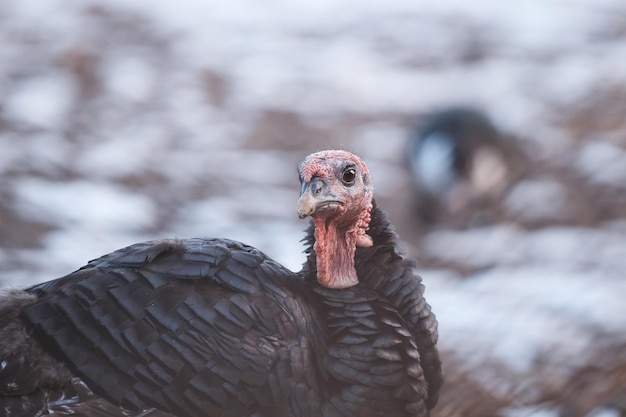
(336, 239)
(334, 250)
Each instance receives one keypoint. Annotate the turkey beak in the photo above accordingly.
(313, 196)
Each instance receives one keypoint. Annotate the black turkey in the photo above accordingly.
(461, 165)
(213, 327)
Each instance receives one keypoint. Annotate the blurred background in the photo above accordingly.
(495, 133)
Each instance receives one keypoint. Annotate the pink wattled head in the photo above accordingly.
(337, 193)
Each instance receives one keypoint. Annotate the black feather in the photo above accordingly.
(212, 327)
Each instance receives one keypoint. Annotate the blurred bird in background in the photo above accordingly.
(461, 167)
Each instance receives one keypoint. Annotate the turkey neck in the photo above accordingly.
(335, 246)
(334, 251)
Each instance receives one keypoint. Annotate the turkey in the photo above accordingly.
(461, 164)
(213, 327)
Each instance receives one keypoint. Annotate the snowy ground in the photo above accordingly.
(122, 121)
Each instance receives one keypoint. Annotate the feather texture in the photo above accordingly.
(213, 327)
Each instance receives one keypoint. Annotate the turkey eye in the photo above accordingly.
(349, 175)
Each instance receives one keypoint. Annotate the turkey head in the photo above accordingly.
(337, 193)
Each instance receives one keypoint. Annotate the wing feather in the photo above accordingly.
(183, 326)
